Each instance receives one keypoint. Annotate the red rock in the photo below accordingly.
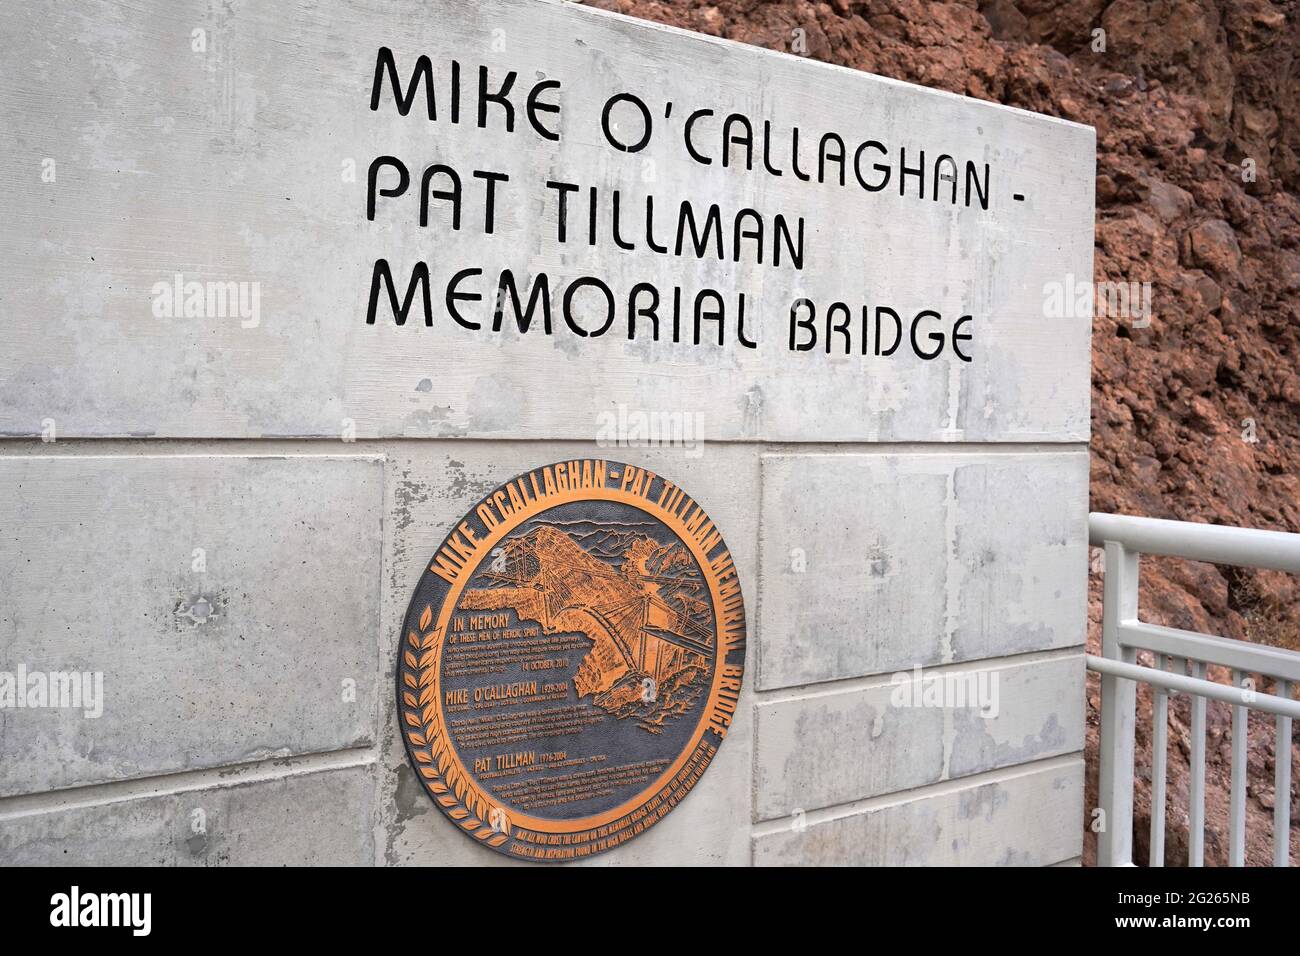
(1213, 245)
(1167, 201)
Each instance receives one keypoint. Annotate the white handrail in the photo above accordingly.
(1255, 700)
(1124, 538)
(1218, 544)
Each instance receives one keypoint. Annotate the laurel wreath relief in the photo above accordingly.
(454, 790)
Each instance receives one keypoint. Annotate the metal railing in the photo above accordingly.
(1181, 658)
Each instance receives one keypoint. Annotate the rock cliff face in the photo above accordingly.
(1196, 414)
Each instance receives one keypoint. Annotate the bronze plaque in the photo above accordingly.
(571, 659)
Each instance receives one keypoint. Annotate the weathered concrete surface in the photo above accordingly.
(918, 559)
(230, 602)
(247, 162)
(833, 746)
(295, 819)
(1023, 817)
(428, 485)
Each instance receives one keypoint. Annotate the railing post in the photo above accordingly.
(1282, 783)
(1118, 709)
(1196, 793)
(1237, 795)
(1159, 765)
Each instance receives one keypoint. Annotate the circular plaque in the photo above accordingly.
(571, 660)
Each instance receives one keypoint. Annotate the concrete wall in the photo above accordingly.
(227, 519)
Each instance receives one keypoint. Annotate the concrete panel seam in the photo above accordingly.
(1000, 775)
(143, 451)
(213, 778)
(873, 681)
(373, 447)
(778, 450)
(382, 639)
